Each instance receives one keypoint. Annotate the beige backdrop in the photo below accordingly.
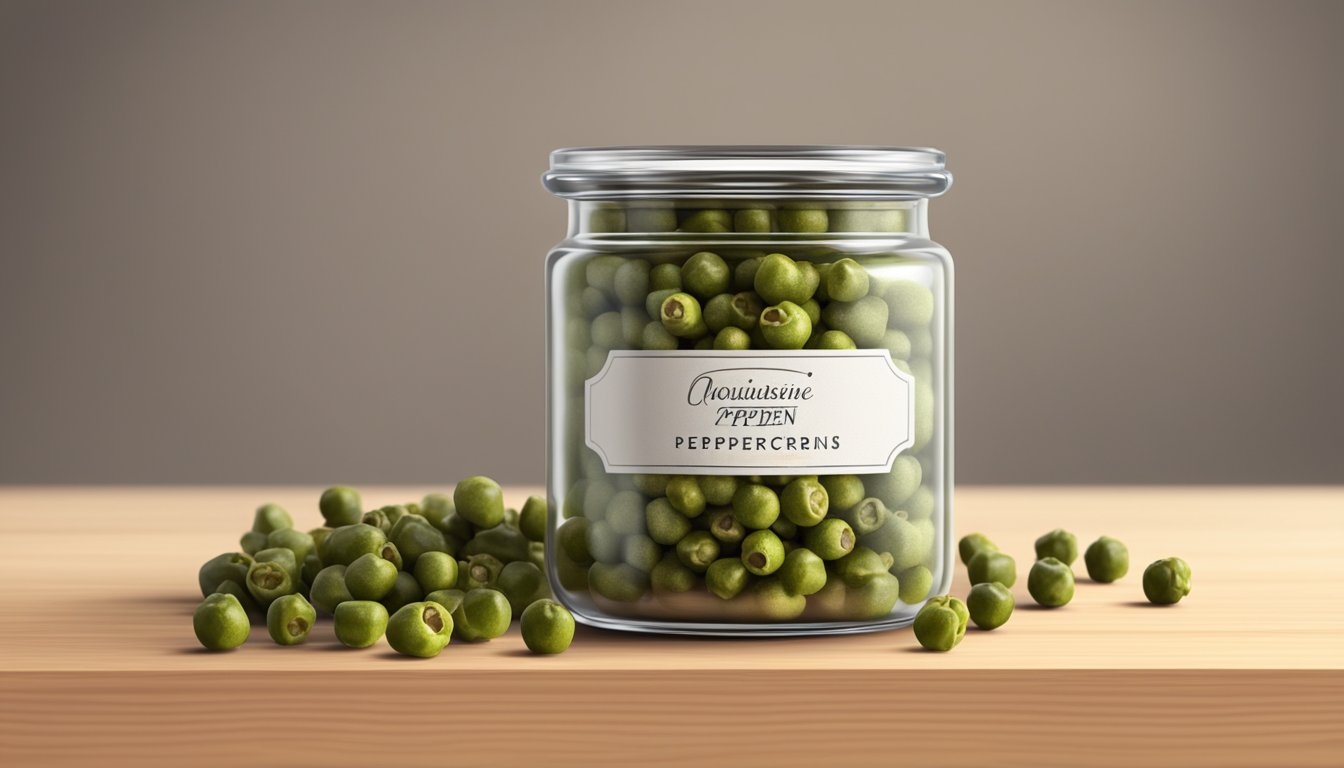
(303, 242)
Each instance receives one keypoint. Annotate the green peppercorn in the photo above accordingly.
(231, 566)
(843, 491)
(685, 495)
(478, 571)
(712, 221)
(664, 523)
(779, 278)
(910, 543)
(849, 220)
(803, 573)
(805, 501)
(502, 541)
(296, 541)
(650, 485)
(440, 511)
(547, 627)
(830, 539)
(858, 565)
(1107, 560)
(806, 220)
(600, 271)
(340, 505)
(867, 516)
(413, 536)
(727, 577)
(640, 552)
(972, 544)
(704, 275)
(681, 316)
(871, 597)
(835, 340)
(774, 602)
(420, 629)
(812, 308)
(1059, 544)
(899, 485)
(664, 277)
(920, 505)
(1166, 581)
(252, 542)
(360, 623)
(863, 320)
(718, 489)
(483, 615)
(916, 582)
(347, 543)
(480, 500)
(436, 570)
(602, 543)
(744, 310)
(753, 220)
(911, 304)
(669, 574)
(785, 325)
(731, 338)
(370, 577)
(220, 622)
(762, 552)
(723, 526)
(572, 539)
(378, 519)
(941, 623)
(267, 581)
(391, 554)
(631, 281)
(620, 583)
(992, 567)
(328, 590)
(1050, 582)
(532, 518)
(755, 506)
(846, 281)
(990, 604)
(271, 517)
(289, 619)
(697, 550)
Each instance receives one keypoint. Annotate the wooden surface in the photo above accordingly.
(98, 663)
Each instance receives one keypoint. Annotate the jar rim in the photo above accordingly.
(748, 171)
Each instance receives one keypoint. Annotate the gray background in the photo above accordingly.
(303, 242)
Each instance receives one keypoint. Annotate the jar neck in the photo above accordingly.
(749, 217)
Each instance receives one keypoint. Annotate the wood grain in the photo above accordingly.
(98, 663)
(646, 717)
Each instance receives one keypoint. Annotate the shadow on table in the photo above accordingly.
(1145, 604)
(188, 600)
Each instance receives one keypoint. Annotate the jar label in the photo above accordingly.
(750, 412)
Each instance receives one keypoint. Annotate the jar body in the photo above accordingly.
(815, 386)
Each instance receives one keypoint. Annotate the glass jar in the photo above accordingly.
(750, 389)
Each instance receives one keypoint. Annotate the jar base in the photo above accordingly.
(782, 629)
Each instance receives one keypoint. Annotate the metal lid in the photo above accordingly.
(803, 171)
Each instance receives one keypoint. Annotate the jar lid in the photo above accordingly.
(803, 171)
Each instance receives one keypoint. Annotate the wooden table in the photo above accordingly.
(98, 664)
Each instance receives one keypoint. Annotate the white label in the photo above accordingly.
(759, 412)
